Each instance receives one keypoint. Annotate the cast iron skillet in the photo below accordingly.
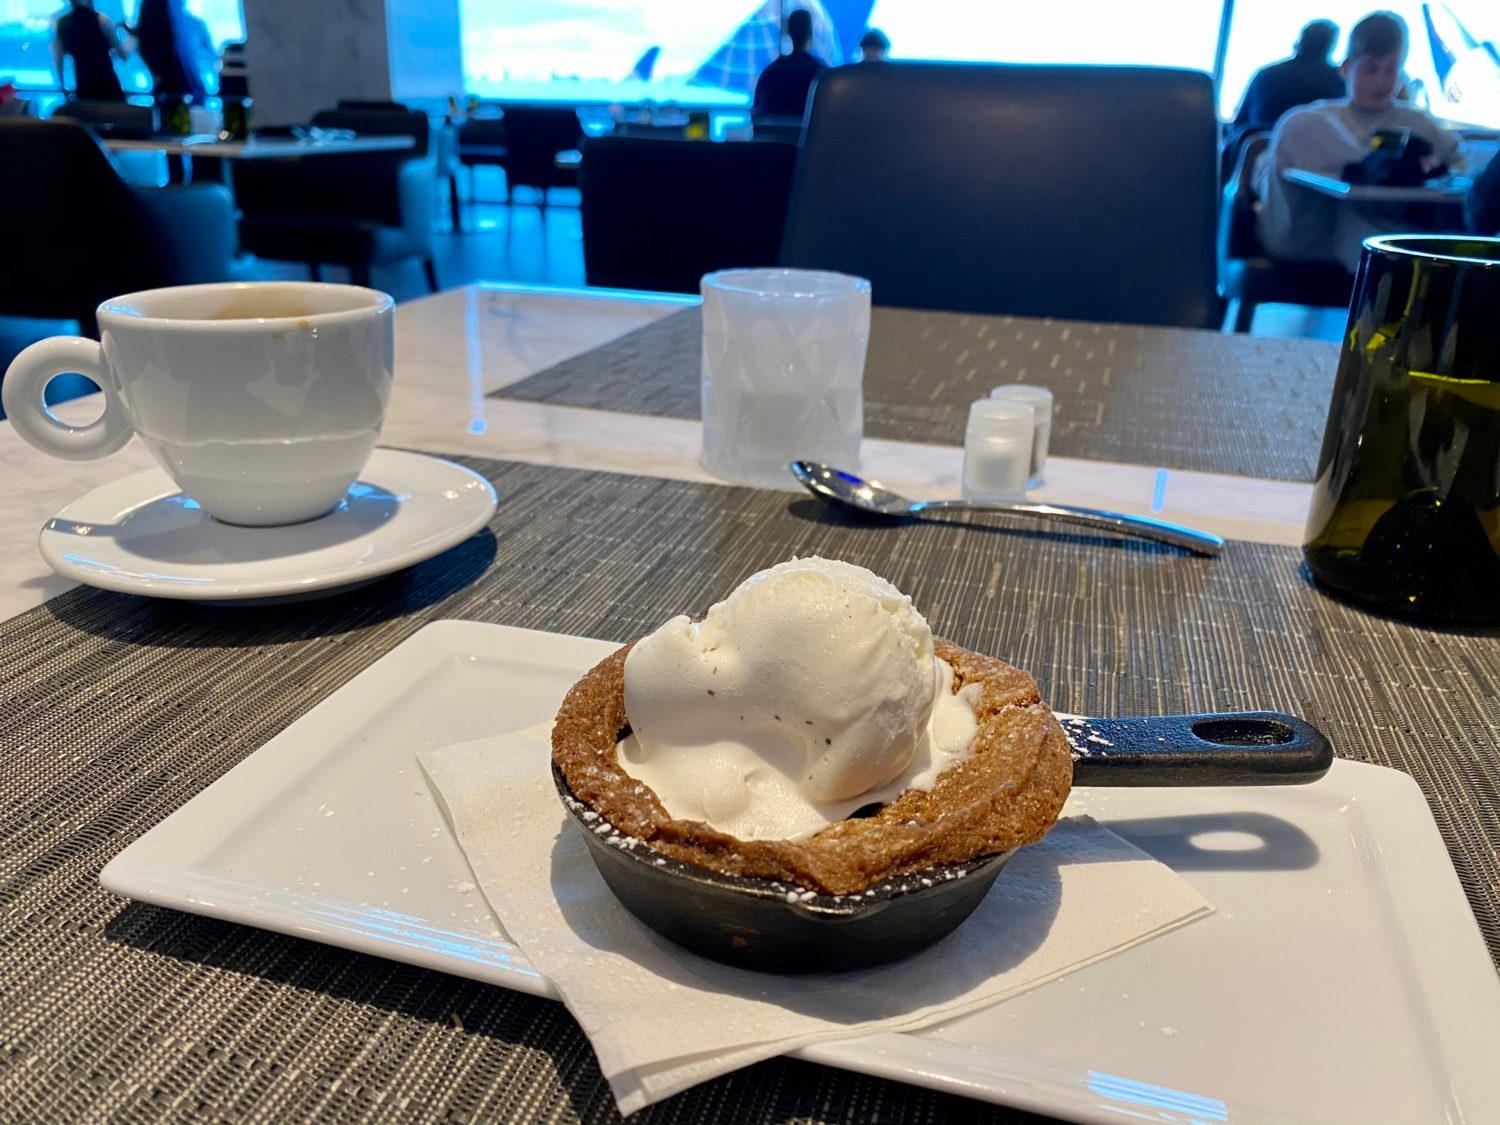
(760, 924)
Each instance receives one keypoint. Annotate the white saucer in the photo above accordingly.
(141, 535)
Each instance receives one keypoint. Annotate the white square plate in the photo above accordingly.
(1342, 978)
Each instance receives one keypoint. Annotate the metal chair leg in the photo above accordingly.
(315, 270)
(429, 267)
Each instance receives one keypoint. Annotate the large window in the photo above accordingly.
(26, 38)
(1150, 32)
(1453, 63)
(709, 52)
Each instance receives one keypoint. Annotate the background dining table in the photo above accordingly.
(1446, 191)
(115, 710)
(455, 350)
(258, 148)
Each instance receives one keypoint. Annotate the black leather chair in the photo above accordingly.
(659, 214)
(534, 135)
(1248, 276)
(360, 210)
(766, 128)
(78, 233)
(1078, 192)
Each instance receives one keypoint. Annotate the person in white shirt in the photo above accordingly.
(1300, 224)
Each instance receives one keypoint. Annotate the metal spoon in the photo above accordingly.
(840, 488)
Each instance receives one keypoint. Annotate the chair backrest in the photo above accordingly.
(1078, 192)
(118, 119)
(73, 235)
(382, 121)
(1237, 239)
(534, 135)
(484, 132)
(659, 214)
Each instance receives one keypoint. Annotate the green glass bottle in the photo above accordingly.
(1405, 515)
(177, 116)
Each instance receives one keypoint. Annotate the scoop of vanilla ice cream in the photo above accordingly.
(792, 703)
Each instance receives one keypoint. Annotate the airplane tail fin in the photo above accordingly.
(838, 26)
(1449, 38)
(644, 65)
(748, 51)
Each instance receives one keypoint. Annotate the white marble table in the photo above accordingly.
(454, 347)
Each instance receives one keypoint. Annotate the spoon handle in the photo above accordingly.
(1139, 527)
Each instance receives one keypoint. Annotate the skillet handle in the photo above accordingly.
(1245, 748)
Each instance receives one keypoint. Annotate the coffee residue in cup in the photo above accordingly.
(258, 305)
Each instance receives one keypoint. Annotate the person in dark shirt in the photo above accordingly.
(1482, 205)
(874, 46)
(91, 41)
(1305, 77)
(165, 41)
(781, 90)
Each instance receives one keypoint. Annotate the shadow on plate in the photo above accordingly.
(1221, 841)
(181, 624)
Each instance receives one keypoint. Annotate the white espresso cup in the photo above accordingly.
(262, 401)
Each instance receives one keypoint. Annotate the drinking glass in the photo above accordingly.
(1405, 513)
(783, 371)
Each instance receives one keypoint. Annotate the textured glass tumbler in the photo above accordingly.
(783, 372)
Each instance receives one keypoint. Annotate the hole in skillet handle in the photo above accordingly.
(1244, 748)
(778, 927)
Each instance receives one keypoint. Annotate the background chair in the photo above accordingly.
(481, 143)
(84, 234)
(766, 128)
(1080, 192)
(1248, 276)
(534, 135)
(360, 210)
(659, 214)
(118, 119)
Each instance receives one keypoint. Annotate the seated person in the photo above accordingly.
(1307, 76)
(1299, 224)
(782, 88)
(874, 46)
(1482, 205)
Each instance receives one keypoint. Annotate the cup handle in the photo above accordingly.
(26, 383)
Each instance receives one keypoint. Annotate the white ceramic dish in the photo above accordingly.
(141, 535)
(1343, 977)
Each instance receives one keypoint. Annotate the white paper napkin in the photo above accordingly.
(661, 1019)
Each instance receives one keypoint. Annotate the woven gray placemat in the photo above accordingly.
(1144, 396)
(114, 711)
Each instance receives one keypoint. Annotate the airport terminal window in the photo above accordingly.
(1453, 65)
(709, 51)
